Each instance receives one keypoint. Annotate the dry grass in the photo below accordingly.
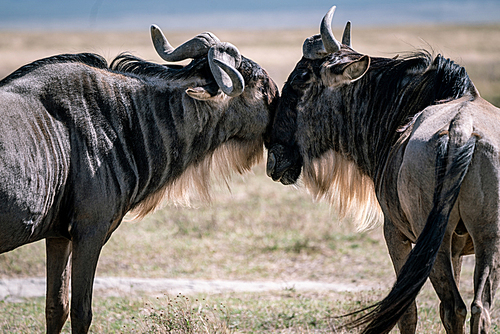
(259, 230)
(285, 311)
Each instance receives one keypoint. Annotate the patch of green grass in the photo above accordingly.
(283, 311)
(271, 312)
(110, 315)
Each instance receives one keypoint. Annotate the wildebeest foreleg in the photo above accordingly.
(445, 280)
(87, 244)
(399, 247)
(58, 266)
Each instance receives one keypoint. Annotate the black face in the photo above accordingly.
(284, 163)
(309, 117)
(257, 79)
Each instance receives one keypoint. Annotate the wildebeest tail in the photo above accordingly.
(451, 166)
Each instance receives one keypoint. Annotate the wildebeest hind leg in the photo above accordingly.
(399, 247)
(58, 266)
(485, 284)
(452, 308)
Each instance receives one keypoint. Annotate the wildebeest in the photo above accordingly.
(409, 138)
(83, 143)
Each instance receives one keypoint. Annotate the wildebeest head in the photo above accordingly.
(225, 104)
(230, 79)
(307, 132)
(309, 101)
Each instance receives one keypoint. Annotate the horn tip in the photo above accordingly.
(330, 43)
(156, 32)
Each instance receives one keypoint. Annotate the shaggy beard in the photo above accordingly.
(196, 179)
(351, 193)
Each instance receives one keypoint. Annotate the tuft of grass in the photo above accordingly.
(182, 315)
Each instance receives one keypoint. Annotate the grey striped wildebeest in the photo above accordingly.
(83, 143)
(407, 139)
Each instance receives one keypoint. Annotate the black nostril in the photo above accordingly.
(271, 163)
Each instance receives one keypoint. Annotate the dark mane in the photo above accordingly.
(89, 59)
(126, 63)
(395, 90)
(417, 81)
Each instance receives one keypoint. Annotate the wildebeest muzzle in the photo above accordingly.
(283, 164)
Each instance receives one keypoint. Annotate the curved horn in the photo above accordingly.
(346, 37)
(224, 59)
(329, 41)
(195, 47)
(237, 82)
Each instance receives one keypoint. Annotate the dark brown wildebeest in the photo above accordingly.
(412, 138)
(81, 144)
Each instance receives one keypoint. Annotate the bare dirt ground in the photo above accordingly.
(14, 290)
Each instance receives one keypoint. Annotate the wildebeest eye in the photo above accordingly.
(301, 78)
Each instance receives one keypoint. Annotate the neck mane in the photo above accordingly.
(397, 90)
(378, 106)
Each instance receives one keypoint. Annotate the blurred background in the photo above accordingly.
(256, 14)
(270, 32)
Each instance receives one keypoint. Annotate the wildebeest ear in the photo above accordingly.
(199, 93)
(203, 93)
(356, 69)
(335, 74)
